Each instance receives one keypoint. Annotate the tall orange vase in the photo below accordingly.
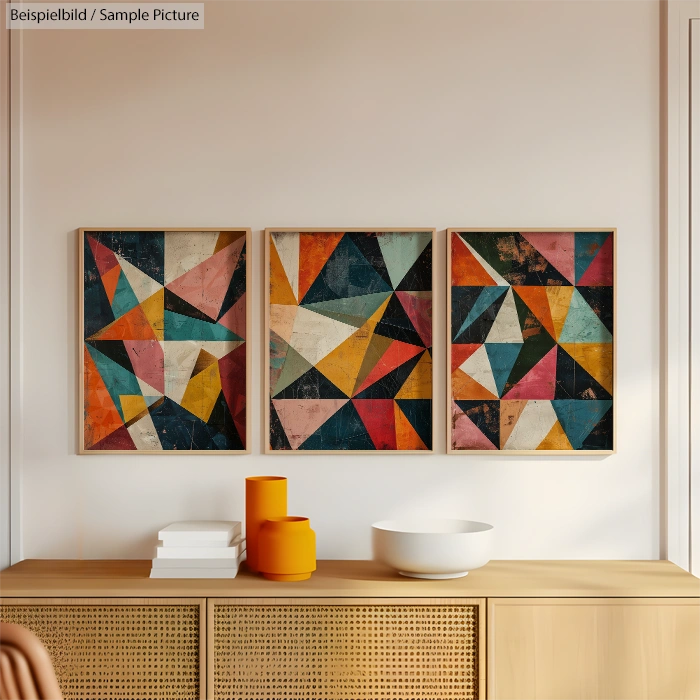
(265, 498)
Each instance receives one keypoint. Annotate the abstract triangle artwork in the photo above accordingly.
(531, 333)
(164, 341)
(350, 331)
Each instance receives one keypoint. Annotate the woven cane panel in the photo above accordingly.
(127, 652)
(329, 652)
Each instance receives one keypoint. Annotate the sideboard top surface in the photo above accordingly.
(55, 578)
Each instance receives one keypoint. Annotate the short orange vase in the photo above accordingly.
(287, 549)
(265, 497)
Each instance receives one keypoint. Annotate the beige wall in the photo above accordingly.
(345, 114)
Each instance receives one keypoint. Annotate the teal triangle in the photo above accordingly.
(502, 357)
(179, 327)
(294, 367)
(586, 247)
(150, 400)
(488, 296)
(361, 307)
(578, 417)
(124, 297)
(582, 324)
(118, 380)
(400, 251)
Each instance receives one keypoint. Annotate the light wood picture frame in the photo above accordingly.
(164, 353)
(376, 319)
(565, 384)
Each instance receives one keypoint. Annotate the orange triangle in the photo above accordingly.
(280, 289)
(510, 412)
(110, 280)
(460, 352)
(133, 325)
(314, 251)
(406, 436)
(154, 310)
(101, 415)
(556, 439)
(464, 388)
(538, 302)
(226, 238)
(419, 384)
(466, 269)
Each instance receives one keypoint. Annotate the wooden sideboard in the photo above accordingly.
(555, 630)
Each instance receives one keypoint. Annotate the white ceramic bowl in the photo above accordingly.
(432, 548)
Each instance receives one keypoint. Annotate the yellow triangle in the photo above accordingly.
(280, 289)
(596, 359)
(153, 309)
(559, 300)
(419, 384)
(202, 392)
(132, 405)
(556, 439)
(342, 365)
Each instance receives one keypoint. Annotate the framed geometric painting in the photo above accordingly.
(350, 329)
(531, 327)
(164, 362)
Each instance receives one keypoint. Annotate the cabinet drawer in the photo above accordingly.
(612, 648)
(122, 648)
(364, 649)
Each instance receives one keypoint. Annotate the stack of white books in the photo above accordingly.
(199, 549)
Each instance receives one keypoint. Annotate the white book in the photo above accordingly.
(193, 533)
(223, 563)
(204, 572)
(230, 552)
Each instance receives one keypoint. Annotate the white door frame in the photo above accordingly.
(676, 344)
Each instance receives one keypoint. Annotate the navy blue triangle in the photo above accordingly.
(178, 429)
(347, 273)
(344, 430)
(368, 245)
(237, 285)
(420, 277)
(115, 350)
(574, 382)
(97, 311)
(222, 429)
(143, 249)
(600, 299)
(486, 415)
(172, 302)
(278, 438)
(601, 437)
(463, 299)
(396, 324)
(311, 385)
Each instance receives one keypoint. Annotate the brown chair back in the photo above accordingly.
(26, 672)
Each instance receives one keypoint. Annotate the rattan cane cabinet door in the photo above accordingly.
(349, 649)
(119, 649)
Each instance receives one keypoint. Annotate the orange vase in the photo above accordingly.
(265, 497)
(287, 549)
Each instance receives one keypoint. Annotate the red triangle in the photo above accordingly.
(378, 417)
(133, 325)
(600, 272)
(118, 440)
(105, 259)
(396, 354)
(420, 312)
(466, 269)
(232, 370)
(461, 352)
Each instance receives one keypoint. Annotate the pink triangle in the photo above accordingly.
(234, 318)
(302, 418)
(540, 382)
(465, 435)
(557, 248)
(205, 285)
(396, 354)
(147, 360)
(600, 271)
(105, 259)
(420, 312)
